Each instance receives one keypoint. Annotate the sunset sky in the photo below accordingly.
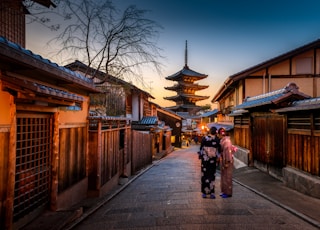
(224, 37)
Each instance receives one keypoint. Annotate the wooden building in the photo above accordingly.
(174, 121)
(260, 130)
(302, 155)
(117, 97)
(43, 135)
(280, 130)
(45, 162)
(301, 65)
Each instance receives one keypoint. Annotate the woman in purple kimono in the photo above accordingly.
(226, 164)
(209, 149)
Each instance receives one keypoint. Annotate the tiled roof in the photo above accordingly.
(152, 120)
(175, 107)
(79, 66)
(186, 72)
(182, 85)
(169, 111)
(260, 100)
(106, 118)
(210, 113)
(57, 92)
(22, 56)
(192, 96)
(307, 104)
(274, 97)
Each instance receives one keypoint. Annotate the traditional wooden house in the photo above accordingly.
(174, 121)
(302, 155)
(260, 130)
(43, 134)
(301, 65)
(118, 97)
(153, 142)
(125, 134)
(281, 136)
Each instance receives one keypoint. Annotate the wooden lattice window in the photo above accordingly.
(34, 145)
(317, 120)
(299, 121)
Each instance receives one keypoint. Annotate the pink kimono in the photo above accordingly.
(227, 150)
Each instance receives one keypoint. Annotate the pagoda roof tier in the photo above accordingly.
(175, 107)
(189, 97)
(184, 85)
(186, 74)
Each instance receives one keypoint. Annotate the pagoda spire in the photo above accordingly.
(186, 56)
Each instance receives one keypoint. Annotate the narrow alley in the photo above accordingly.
(167, 196)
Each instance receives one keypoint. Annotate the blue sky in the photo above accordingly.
(224, 37)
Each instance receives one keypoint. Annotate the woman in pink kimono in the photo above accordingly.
(226, 164)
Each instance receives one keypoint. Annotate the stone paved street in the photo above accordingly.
(167, 196)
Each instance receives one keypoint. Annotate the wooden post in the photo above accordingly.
(87, 147)
(54, 164)
(11, 165)
(99, 152)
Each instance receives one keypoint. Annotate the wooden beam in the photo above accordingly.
(37, 108)
(11, 165)
(55, 164)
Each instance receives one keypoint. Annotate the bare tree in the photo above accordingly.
(39, 11)
(106, 39)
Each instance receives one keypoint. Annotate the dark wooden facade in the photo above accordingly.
(280, 137)
(43, 131)
(109, 152)
(242, 131)
(303, 141)
(72, 156)
(174, 121)
(141, 150)
(116, 151)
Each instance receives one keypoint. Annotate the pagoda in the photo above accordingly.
(186, 88)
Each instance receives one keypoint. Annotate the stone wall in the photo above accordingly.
(301, 181)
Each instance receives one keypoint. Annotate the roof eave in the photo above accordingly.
(26, 63)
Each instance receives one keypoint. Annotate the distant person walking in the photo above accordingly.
(208, 155)
(226, 163)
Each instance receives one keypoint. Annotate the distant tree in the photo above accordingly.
(99, 35)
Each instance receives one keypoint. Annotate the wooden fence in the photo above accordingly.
(303, 138)
(281, 140)
(72, 156)
(141, 149)
(109, 150)
(242, 131)
(115, 151)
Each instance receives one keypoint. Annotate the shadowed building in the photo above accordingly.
(186, 88)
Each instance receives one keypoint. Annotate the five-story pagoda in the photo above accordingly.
(186, 88)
